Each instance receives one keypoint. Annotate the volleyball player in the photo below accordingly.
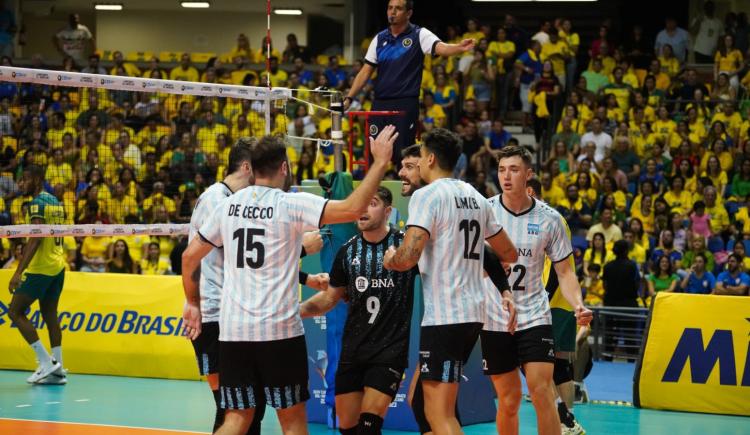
(40, 275)
(537, 230)
(448, 222)
(564, 332)
(261, 337)
(375, 344)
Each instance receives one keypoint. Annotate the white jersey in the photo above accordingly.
(458, 220)
(536, 233)
(261, 231)
(212, 265)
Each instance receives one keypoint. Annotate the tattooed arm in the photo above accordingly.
(407, 255)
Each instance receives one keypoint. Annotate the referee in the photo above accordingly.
(398, 54)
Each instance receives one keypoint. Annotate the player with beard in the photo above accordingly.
(410, 182)
(538, 231)
(375, 344)
(261, 337)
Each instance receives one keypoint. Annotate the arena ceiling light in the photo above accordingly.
(287, 11)
(108, 6)
(195, 5)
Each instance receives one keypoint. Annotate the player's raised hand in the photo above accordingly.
(381, 147)
(312, 241)
(191, 320)
(584, 316)
(467, 44)
(318, 281)
(510, 307)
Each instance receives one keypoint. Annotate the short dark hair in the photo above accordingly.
(411, 151)
(535, 185)
(620, 249)
(385, 195)
(513, 151)
(267, 155)
(594, 267)
(35, 171)
(445, 145)
(701, 255)
(736, 257)
(242, 151)
(409, 4)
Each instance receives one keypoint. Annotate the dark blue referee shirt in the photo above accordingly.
(399, 61)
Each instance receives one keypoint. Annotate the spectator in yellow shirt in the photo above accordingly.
(278, 76)
(154, 264)
(94, 252)
(593, 286)
(121, 205)
(728, 60)
(58, 172)
(260, 54)
(662, 79)
(57, 130)
(185, 71)
(669, 63)
(158, 197)
(129, 68)
(433, 111)
(208, 132)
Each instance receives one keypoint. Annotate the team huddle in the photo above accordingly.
(481, 264)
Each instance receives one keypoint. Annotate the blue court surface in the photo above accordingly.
(119, 405)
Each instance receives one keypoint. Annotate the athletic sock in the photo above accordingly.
(219, 418)
(565, 416)
(41, 354)
(369, 424)
(57, 354)
(255, 426)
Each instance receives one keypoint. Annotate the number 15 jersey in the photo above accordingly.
(260, 229)
(458, 220)
(536, 233)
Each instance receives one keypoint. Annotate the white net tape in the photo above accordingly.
(81, 230)
(137, 84)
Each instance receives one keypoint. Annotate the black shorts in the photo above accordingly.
(352, 377)
(276, 369)
(406, 124)
(206, 348)
(503, 352)
(444, 349)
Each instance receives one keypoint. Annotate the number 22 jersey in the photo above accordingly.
(536, 233)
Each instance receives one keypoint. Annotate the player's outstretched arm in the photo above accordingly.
(191, 274)
(571, 290)
(351, 208)
(407, 255)
(503, 247)
(321, 303)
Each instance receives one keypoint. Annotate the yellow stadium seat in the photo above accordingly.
(170, 56)
(201, 57)
(139, 56)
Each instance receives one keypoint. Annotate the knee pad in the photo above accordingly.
(563, 371)
(350, 431)
(369, 424)
(417, 407)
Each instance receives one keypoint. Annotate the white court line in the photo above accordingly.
(51, 403)
(25, 405)
(83, 400)
(104, 425)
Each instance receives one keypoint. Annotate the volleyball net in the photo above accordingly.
(129, 156)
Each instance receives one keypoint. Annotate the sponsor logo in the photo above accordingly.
(13, 74)
(381, 283)
(361, 284)
(52, 232)
(36, 231)
(119, 230)
(64, 78)
(125, 322)
(168, 86)
(87, 80)
(128, 83)
(78, 231)
(407, 42)
(243, 92)
(11, 232)
(206, 89)
(373, 130)
(355, 262)
(43, 76)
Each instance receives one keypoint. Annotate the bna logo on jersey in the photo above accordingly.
(533, 229)
(361, 283)
(406, 42)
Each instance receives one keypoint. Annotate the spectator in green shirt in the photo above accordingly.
(663, 279)
(595, 80)
(741, 181)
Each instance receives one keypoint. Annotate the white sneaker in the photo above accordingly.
(54, 378)
(42, 372)
(577, 429)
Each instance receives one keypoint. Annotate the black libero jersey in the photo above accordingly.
(380, 302)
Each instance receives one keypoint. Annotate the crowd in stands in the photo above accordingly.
(634, 142)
